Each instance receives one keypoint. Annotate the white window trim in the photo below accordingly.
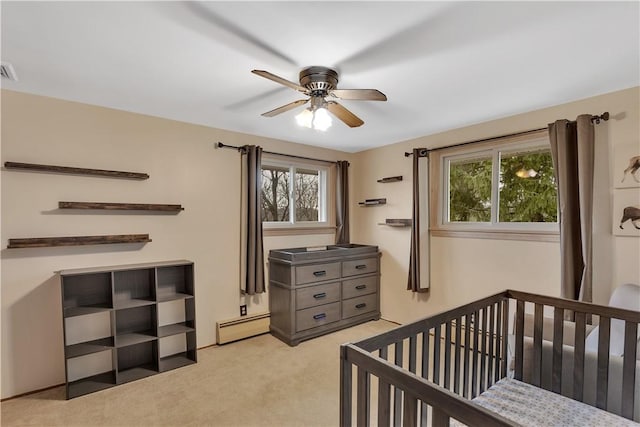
(325, 203)
(494, 229)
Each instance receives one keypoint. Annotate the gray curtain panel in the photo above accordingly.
(572, 149)
(413, 284)
(254, 281)
(342, 202)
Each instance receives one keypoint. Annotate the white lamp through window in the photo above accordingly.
(315, 117)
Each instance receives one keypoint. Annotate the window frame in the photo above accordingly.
(326, 178)
(492, 149)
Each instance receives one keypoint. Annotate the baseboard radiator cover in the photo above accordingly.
(242, 327)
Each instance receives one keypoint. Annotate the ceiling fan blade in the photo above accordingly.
(359, 94)
(343, 114)
(273, 77)
(289, 106)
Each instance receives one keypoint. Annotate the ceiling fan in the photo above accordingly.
(318, 83)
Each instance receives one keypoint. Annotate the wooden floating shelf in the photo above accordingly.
(75, 171)
(397, 222)
(121, 206)
(43, 242)
(390, 179)
(373, 202)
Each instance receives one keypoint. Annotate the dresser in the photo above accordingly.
(313, 292)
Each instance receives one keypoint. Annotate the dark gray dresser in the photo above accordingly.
(314, 292)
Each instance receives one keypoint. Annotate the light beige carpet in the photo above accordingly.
(255, 382)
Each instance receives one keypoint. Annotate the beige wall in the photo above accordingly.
(184, 168)
(464, 269)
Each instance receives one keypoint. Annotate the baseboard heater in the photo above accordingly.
(242, 327)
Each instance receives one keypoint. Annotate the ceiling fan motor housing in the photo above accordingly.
(318, 79)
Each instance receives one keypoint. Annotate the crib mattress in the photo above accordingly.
(533, 406)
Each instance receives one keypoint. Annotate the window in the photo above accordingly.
(499, 186)
(294, 194)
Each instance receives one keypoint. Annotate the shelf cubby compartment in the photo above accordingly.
(136, 325)
(373, 202)
(86, 294)
(89, 347)
(90, 372)
(177, 351)
(174, 282)
(137, 361)
(390, 179)
(134, 288)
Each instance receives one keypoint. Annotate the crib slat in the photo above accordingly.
(519, 339)
(410, 416)
(491, 338)
(499, 335)
(537, 345)
(425, 373)
(456, 365)
(629, 368)
(447, 355)
(467, 355)
(474, 367)
(578, 358)
(412, 354)
(602, 383)
(504, 337)
(483, 350)
(397, 395)
(436, 354)
(556, 369)
(384, 395)
(345, 389)
(362, 402)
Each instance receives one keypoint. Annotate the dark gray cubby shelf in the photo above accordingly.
(130, 297)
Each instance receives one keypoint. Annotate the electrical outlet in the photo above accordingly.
(243, 310)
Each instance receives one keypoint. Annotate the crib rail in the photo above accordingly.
(424, 373)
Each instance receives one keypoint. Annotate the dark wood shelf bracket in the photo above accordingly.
(373, 202)
(75, 171)
(397, 222)
(43, 242)
(121, 206)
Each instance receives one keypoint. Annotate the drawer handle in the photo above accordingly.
(319, 316)
(361, 305)
(319, 273)
(361, 287)
(321, 295)
(361, 266)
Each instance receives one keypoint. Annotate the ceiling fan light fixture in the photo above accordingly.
(305, 118)
(321, 119)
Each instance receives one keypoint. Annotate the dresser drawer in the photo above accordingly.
(360, 305)
(317, 316)
(361, 286)
(317, 295)
(317, 272)
(359, 266)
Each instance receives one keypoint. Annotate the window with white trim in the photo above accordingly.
(294, 194)
(502, 186)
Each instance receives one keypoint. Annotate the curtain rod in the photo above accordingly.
(425, 151)
(221, 145)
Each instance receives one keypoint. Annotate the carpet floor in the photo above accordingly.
(254, 382)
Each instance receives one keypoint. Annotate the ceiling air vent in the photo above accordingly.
(7, 71)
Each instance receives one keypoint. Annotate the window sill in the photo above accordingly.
(297, 231)
(531, 236)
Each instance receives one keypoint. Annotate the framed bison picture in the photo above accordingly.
(626, 212)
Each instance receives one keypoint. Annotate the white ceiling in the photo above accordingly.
(442, 65)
